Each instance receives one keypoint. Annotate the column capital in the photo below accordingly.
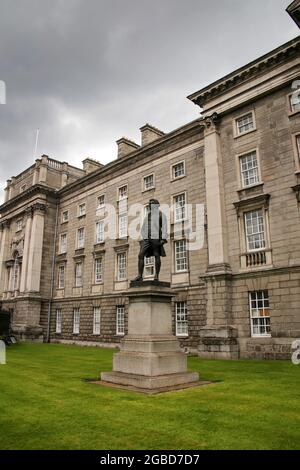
(4, 224)
(211, 122)
(36, 207)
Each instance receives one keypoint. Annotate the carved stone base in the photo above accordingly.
(150, 356)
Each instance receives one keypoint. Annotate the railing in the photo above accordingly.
(256, 259)
(54, 164)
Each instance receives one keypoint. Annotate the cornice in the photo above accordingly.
(262, 199)
(33, 190)
(253, 69)
(123, 165)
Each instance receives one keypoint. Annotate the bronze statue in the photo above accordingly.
(154, 235)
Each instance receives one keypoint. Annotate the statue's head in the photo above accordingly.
(153, 202)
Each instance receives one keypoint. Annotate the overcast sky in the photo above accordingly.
(87, 72)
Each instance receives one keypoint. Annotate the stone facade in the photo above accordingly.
(239, 300)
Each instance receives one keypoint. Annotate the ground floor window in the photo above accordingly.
(181, 319)
(58, 321)
(260, 313)
(121, 320)
(97, 320)
(76, 321)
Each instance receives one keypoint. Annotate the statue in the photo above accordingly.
(154, 235)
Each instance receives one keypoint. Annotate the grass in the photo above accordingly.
(46, 404)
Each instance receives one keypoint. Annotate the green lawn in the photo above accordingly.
(46, 404)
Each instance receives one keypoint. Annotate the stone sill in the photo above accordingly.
(178, 178)
(238, 136)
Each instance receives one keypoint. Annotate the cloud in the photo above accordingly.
(86, 72)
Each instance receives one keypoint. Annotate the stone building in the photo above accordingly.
(238, 293)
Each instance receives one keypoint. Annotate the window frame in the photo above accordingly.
(58, 321)
(291, 111)
(176, 270)
(118, 192)
(144, 188)
(239, 169)
(19, 225)
(236, 134)
(62, 216)
(96, 311)
(78, 247)
(100, 240)
(296, 148)
(259, 317)
(118, 278)
(175, 220)
(172, 168)
(81, 204)
(64, 234)
(61, 285)
(265, 239)
(177, 322)
(104, 203)
(96, 280)
(120, 235)
(120, 310)
(78, 263)
(76, 311)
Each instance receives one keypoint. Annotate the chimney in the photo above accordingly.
(90, 165)
(149, 134)
(126, 146)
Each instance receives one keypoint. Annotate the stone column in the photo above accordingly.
(4, 229)
(216, 220)
(43, 169)
(35, 248)
(26, 250)
(150, 358)
(218, 338)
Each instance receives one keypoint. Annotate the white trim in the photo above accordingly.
(173, 178)
(236, 134)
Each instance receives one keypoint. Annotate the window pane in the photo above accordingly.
(98, 270)
(245, 123)
(96, 321)
(178, 170)
(260, 313)
(120, 320)
(181, 319)
(180, 256)
(249, 169)
(255, 232)
(122, 275)
(179, 207)
(100, 232)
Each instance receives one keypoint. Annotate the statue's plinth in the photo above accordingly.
(150, 356)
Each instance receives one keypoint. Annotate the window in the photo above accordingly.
(80, 238)
(63, 243)
(180, 256)
(260, 313)
(149, 266)
(78, 274)
(123, 193)
(121, 266)
(122, 225)
(15, 275)
(97, 321)
(148, 182)
(76, 321)
(244, 124)
(295, 102)
(249, 169)
(100, 232)
(61, 276)
(121, 320)
(58, 321)
(64, 217)
(298, 146)
(179, 202)
(19, 225)
(101, 201)
(98, 270)
(255, 231)
(178, 170)
(181, 319)
(81, 209)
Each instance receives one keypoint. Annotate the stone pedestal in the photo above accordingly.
(150, 356)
